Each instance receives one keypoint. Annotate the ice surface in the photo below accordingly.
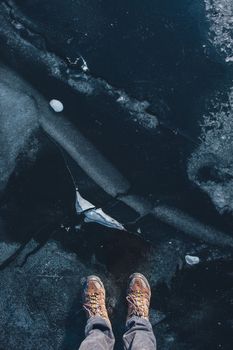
(7, 250)
(18, 119)
(220, 15)
(41, 306)
(34, 48)
(211, 165)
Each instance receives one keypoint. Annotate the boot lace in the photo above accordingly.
(92, 306)
(139, 303)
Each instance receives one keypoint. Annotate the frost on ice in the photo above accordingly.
(211, 165)
(220, 16)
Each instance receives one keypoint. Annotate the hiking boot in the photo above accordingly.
(138, 296)
(94, 298)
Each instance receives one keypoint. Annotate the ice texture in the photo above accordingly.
(34, 47)
(18, 119)
(220, 16)
(211, 165)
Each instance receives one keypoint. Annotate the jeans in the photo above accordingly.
(99, 335)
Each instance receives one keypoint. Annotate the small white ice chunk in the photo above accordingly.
(192, 260)
(56, 105)
(229, 59)
(98, 216)
(82, 204)
(84, 65)
(121, 99)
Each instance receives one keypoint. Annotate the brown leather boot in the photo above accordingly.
(94, 298)
(138, 296)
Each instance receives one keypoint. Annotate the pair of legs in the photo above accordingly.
(99, 335)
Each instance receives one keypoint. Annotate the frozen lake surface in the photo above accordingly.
(137, 164)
